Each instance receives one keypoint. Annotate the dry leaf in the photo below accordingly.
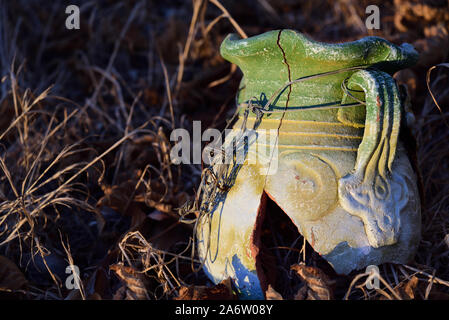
(118, 198)
(317, 286)
(133, 283)
(410, 289)
(407, 290)
(272, 294)
(221, 291)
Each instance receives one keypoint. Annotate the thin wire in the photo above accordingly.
(347, 91)
(333, 105)
(313, 76)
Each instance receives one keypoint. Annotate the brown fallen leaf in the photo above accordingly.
(134, 283)
(407, 290)
(272, 294)
(11, 278)
(119, 198)
(317, 285)
(414, 289)
(221, 291)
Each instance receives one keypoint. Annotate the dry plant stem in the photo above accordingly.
(127, 128)
(161, 265)
(112, 78)
(225, 78)
(43, 145)
(231, 19)
(370, 274)
(72, 264)
(29, 188)
(8, 176)
(25, 107)
(196, 9)
(25, 198)
(355, 17)
(167, 87)
(92, 100)
(212, 24)
(430, 90)
(432, 277)
(429, 286)
(43, 254)
(396, 280)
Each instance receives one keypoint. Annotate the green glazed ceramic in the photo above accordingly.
(326, 120)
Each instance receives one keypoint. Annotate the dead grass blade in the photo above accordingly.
(446, 65)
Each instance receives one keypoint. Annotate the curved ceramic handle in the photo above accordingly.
(372, 190)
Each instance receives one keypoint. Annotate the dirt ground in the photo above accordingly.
(86, 115)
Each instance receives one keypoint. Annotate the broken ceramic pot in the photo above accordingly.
(322, 141)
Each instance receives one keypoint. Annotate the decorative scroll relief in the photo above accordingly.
(374, 191)
(378, 203)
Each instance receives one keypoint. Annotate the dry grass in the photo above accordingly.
(85, 174)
